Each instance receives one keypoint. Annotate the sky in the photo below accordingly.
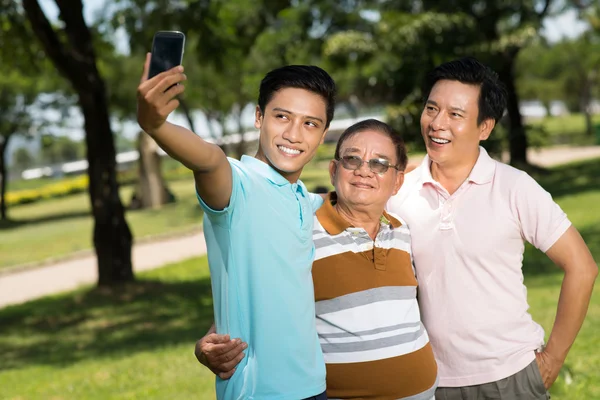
(554, 29)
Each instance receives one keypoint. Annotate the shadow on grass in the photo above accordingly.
(140, 316)
(15, 223)
(571, 179)
(537, 263)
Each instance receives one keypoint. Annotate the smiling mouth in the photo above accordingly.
(290, 151)
(439, 140)
(362, 185)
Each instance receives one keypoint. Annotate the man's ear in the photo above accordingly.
(399, 181)
(486, 128)
(258, 117)
(323, 137)
(332, 171)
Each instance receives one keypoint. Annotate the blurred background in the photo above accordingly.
(80, 187)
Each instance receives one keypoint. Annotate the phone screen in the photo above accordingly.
(167, 52)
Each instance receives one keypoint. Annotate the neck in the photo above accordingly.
(451, 177)
(368, 219)
(292, 177)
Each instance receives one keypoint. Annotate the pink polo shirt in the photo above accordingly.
(468, 251)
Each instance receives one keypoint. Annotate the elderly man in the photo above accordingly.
(469, 216)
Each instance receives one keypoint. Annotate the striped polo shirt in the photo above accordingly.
(368, 319)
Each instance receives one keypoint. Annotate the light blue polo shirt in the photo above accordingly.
(260, 252)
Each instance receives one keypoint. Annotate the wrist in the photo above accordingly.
(555, 353)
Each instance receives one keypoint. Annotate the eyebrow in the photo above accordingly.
(289, 112)
(451, 108)
(357, 150)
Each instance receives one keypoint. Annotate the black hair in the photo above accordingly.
(377, 126)
(308, 77)
(468, 70)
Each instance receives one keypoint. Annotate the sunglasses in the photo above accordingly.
(376, 165)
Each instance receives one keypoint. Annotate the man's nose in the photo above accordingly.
(293, 132)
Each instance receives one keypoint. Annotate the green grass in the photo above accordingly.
(564, 130)
(58, 227)
(132, 342)
(136, 341)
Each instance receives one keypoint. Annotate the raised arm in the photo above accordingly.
(572, 255)
(157, 98)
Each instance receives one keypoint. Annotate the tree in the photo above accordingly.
(25, 74)
(22, 159)
(410, 38)
(71, 50)
(567, 70)
(60, 149)
(17, 94)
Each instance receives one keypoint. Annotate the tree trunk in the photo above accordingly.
(188, 114)
(151, 190)
(3, 178)
(517, 138)
(241, 146)
(76, 61)
(584, 106)
(112, 237)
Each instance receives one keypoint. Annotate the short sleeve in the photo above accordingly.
(542, 221)
(239, 185)
(316, 201)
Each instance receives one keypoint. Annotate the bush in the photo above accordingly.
(57, 189)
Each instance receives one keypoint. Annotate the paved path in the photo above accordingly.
(30, 284)
(33, 283)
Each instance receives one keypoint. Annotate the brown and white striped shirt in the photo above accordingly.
(368, 319)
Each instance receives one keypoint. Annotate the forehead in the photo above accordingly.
(298, 101)
(446, 93)
(370, 142)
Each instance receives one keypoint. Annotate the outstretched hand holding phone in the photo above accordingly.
(157, 96)
(156, 100)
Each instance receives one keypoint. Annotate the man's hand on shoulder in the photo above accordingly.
(220, 353)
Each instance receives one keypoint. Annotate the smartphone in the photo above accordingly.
(167, 51)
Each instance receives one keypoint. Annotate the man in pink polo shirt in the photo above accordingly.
(469, 216)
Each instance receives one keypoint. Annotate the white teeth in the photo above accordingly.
(288, 150)
(440, 141)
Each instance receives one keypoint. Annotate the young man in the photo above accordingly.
(469, 216)
(258, 226)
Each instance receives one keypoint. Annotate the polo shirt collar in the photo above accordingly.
(335, 224)
(484, 169)
(264, 170)
(482, 172)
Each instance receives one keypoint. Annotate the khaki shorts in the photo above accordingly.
(526, 384)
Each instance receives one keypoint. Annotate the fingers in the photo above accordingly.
(224, 357)
(235, 359)
(162, 86)
(158, 84)
(146, 69)
(226, 375)
(216, 338)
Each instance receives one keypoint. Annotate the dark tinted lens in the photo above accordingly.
(378, 166)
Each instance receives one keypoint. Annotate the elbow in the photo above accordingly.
(590, 273)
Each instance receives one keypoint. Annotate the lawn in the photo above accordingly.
(58, 227)
(136, 341)
(564, 130)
